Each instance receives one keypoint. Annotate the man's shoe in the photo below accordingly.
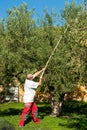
(21, 124)
(37, 121)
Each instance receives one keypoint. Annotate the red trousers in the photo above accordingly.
(29, 108)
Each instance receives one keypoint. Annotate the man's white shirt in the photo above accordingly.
(29, 90)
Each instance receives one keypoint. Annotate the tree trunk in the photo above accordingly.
(56, 105)
(56, 108)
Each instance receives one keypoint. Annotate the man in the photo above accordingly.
(29, 92)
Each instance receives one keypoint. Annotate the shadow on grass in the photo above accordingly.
(79, 123)
(76, 113)
(5, 125)
(77, 107)
(10, 111)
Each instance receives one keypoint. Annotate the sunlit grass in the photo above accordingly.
(69, 120)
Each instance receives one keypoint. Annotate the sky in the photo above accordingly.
(38, 5)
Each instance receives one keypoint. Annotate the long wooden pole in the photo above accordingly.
(53, 51)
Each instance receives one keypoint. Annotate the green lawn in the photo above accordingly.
(73, 117)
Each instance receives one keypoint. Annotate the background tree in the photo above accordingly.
(19, 25)
(68, 65)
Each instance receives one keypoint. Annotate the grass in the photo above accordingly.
(73, 117)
